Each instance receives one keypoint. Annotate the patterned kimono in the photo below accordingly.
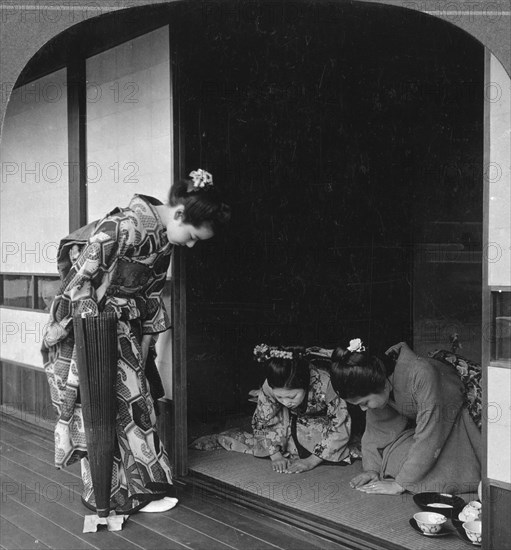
(321, 425)
(424, 437)
(117, 264)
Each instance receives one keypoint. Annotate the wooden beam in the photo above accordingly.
(179, 370)
(77, 154)
(179, 377)
(486, 308)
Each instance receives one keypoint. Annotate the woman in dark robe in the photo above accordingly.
(419, 434)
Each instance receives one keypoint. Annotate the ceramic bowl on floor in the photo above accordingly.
(445, 531)
(430, 523)
(473, 531)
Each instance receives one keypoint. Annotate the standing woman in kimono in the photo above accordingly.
(119, 264)
(299, 421)
(419, 434)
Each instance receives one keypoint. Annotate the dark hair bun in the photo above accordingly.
(202, 204)
(339, 354)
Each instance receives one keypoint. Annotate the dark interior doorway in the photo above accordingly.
(349, 138)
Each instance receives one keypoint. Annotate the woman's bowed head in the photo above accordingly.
(361, 379)
(195, 210)
(287, 373)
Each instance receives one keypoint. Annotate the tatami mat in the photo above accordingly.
(325, 492)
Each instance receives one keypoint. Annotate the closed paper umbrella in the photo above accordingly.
(96, 359)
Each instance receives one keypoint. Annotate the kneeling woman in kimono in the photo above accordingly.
(119, 264)
(299, 421)
(419, 435)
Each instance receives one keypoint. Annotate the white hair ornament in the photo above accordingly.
(356, 346)
(201, 180)
(263, 352)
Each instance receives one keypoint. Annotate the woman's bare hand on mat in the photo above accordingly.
(384, 487)
(279, 463)
(303, 464)
(369, 476)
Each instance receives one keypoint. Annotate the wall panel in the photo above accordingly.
(128, 122)
(34, 175)
(22, 332)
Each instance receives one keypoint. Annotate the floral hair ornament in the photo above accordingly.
(263, 352)
(201, 180)
(356, 346)
(281, 354)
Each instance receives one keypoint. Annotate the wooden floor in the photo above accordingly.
(41, 508)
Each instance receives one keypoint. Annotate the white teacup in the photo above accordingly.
(471, 512)
(473, 530)
(430, 522)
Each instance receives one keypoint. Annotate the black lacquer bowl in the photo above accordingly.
(443, 503)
